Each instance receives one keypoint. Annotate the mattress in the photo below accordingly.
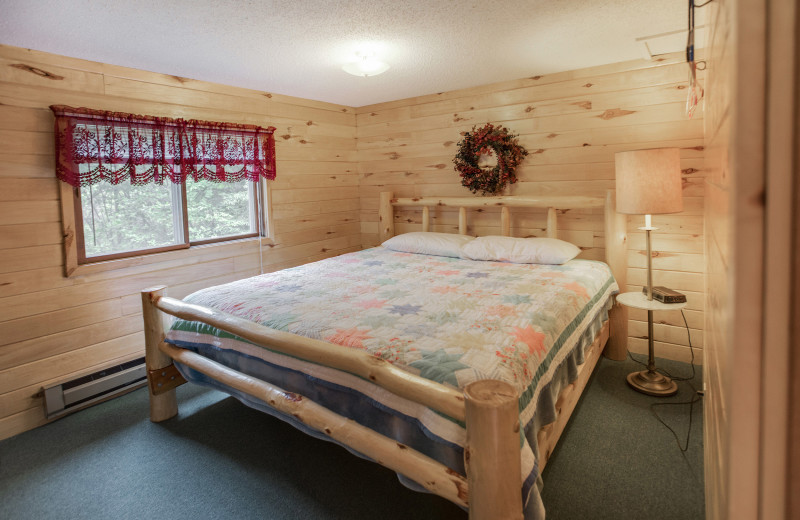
(449, 320)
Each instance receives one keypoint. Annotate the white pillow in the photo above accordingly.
(520, 250)
(428, 243)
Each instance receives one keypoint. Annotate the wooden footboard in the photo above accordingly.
(491, 488)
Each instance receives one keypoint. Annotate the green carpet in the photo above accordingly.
(616, 461)
(220, 459)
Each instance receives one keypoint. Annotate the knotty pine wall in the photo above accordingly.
(718, 257)
(54, 328)
(572, 123)
(325, 198)
(751, 213)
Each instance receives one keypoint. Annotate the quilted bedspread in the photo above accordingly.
(446, 319)
(449, 320)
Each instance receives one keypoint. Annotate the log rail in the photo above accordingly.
(434, 476)
(552, 204)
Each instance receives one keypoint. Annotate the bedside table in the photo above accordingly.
(649, 381)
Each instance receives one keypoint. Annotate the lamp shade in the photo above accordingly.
(649, 181)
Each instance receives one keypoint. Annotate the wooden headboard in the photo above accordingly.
(616, 235)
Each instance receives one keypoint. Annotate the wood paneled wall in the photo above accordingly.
(324, 201)
(718, 256)
(751, 213)
(735, 112)
(54, 328)
(572, 123)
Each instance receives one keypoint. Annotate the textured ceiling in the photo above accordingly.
(298, 47)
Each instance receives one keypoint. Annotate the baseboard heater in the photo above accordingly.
(79, 393)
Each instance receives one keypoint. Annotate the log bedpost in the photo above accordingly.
(462, 221)
(164, 405)
(552, 223)
(386, 216)
(505, 221)
(426, 218)
(616, 228)
(492, 453)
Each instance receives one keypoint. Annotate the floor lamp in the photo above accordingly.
(649, 183)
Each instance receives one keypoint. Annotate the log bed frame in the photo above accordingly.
(491, 487)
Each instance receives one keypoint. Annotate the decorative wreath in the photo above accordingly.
(488, 140)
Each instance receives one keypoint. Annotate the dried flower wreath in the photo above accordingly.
(488, 140)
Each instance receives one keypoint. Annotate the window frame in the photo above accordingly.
(76, 263)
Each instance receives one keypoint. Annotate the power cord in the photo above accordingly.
(695, 91)
(696, 397)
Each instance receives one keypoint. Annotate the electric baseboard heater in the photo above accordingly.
(79, 393)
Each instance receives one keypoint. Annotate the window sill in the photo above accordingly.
(156, 261)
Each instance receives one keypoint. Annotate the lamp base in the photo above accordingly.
(652, 383)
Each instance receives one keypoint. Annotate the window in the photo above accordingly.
(125, 220)
(219, 211)
(142, 184)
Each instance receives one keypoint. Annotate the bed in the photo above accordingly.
(459, 375)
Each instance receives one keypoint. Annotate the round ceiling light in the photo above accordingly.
(365, 65)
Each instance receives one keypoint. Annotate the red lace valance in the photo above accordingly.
(96, 145)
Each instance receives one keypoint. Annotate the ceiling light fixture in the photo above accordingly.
(365, 65)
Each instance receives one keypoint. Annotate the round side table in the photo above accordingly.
(649, 381)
